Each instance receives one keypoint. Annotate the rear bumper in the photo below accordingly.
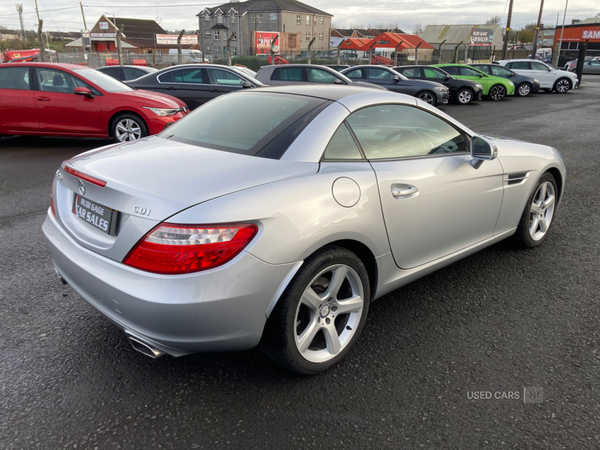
(217, 310)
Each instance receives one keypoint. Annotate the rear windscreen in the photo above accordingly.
(241, 122)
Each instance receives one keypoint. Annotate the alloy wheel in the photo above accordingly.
(541, 211)
(427, 97)
(562, 86)
(497, 92)
(524, 90)
(329, 313)
(127, 130)
(465, 97)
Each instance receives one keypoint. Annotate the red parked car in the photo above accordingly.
(47, 99)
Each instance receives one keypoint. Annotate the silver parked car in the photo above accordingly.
(281, 229)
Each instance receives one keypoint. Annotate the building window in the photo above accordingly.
(260, 18)
(234, 51)
(217, 49)
(253, 18)
(308, 36)
(219, 18)
(320, 36)
(208, 49)
(307, 20)
(298, 20)
(320, 20)
(207, 34)
(207, 17)
(232, 18)
(217, 35)
(225, 36)
(272, 16)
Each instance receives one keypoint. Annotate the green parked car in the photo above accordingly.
(493, 87)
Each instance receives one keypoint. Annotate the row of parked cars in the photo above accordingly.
(129, 102)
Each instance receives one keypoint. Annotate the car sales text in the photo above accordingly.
(89, 217)
(488, 395)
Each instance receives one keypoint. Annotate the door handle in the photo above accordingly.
(401, 191)
(43, 99)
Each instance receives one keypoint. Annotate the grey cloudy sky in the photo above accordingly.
(178, 14)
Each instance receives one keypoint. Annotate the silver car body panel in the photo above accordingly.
(300, 205)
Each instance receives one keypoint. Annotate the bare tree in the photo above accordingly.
(229, 39)
(493, 21)
(310, 44)
(179, 55)
(418, 28)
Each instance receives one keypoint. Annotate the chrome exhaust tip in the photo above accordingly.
(144, 348)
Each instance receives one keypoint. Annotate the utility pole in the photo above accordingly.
(83, 15)
(119, 52)
(40, 35)
(507, 35)
(310, 44)
(557, 51)
(229, 39)
(179, 55)
(537, 30)
(20, 11)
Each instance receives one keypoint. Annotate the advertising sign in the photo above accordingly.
(481, 37)
(171, 39)
(104, 25)
(263, 42)
(103, 35)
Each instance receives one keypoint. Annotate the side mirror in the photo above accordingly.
(396, 78)
(83, 91)
(448, 77)
(247, 85)
(480, 75)
(482, 150)
(338, 81)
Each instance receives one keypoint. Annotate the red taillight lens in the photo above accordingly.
(52, 198)
(176, 249)
(85, 176)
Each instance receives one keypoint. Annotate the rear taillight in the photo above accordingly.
(176, 249)
(52, 198)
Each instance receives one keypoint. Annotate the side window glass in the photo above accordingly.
(14, 78)
(288, 74)
(342, 146)
(468, 72)
(197, 76)
(132, 74)
(433, 74)
(538, 66)
(378, 74)
(452, 70)
(519, 65)
(413, 72)
(501, 71)
(354, 74)
(225, 78)
(51, 80)
(400, 131)
(484, 69)
(320, 76)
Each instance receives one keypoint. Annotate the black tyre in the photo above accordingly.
(464, 96)
(538, 213)
(524, 89)
(128, 127)
(427, 97)
(497, 92)
(562, 86)
(547, 90)
(321, 314)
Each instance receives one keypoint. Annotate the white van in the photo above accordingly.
(189, 55)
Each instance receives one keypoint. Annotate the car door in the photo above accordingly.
(591, 67)
(467, 73)
(223, 81)
(543, 73)
(18, 111)
(61, 111)
(190, 84)
(434, 201)
(355, 75)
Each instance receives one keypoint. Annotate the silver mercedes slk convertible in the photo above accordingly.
(274, 216)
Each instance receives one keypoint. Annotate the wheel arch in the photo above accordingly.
(121, 112)
(358, 248)
(559, 180)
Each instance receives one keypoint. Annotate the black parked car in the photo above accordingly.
(431, 92)
(195, 84)
(461, 91)
(125, 73)
(523, 85)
